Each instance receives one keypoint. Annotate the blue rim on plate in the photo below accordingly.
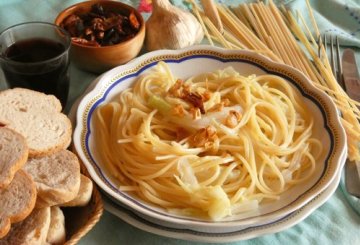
(116, 78)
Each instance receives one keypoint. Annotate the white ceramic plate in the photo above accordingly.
(159, 228)
(217, 237)
(192, 61)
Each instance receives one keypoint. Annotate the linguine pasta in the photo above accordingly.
(214, 145)
(285, 37)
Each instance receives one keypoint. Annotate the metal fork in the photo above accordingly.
(335, 60)
(352, 181)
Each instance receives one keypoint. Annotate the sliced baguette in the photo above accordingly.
(84, 195)
(32, 230)
(57, 177)
(13, 155)
(17, 200)
(56, 233)
(37, 117)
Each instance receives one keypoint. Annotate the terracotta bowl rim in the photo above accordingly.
(120, 4)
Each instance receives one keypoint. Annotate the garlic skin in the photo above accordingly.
(170, 27)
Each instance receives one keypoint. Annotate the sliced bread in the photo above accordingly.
(44, 133)
(17, 200)
(5, 225)
(25, 100)
(56, 233)
(84, 195)
(37, 117)
(57, 177)
(13, 155)
(32, 230)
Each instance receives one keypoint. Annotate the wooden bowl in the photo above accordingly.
(100, 59)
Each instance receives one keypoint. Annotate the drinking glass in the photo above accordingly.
(35, 55)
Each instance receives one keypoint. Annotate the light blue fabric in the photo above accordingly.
(335, 222)
(335, 17)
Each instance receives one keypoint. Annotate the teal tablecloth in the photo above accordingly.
(335, 222)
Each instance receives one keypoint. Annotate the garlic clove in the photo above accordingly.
(170, 27)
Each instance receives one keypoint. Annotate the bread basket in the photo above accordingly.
(80, 220)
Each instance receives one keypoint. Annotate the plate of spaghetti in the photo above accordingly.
(209, 139)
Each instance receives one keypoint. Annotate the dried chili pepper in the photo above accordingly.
(84, 41)
(101, 27)
(134, 21)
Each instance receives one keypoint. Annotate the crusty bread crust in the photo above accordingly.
(84, 195)
(13, 154)
(17, 200)
(32, 230)
(56, 233)
(5, 225)
(38, 118)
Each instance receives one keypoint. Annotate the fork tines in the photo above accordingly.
(335, 59)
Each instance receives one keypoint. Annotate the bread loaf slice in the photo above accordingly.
(17, 200)
(5, 225)
(32, 230)
(25, 100)
(56, 233)
(37, 117)
(44, 133)
(84, 195)
(13, 155)
(57, 177)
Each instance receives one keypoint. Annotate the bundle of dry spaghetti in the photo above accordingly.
(277, 34)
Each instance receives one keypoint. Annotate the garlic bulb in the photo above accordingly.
(170, 27)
